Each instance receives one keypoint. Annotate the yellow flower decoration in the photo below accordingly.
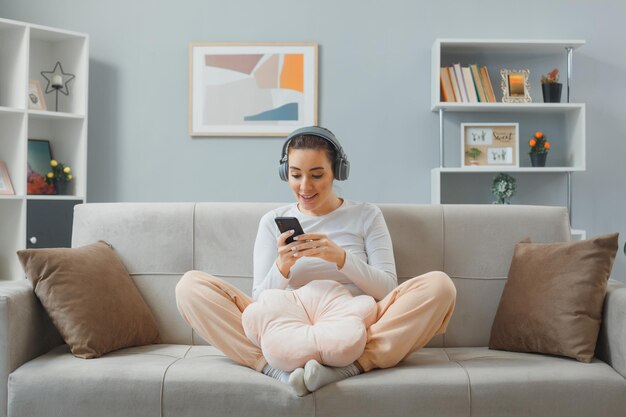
(59, 172)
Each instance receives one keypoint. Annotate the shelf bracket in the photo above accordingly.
(441, 161)
(569, 50)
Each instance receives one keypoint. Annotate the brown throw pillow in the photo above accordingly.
(90, 298)
(552, 301)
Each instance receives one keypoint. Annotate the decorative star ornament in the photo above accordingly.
(66, 77)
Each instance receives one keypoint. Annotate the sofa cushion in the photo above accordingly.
(552, 301)
(183, 380)
(514, 384)
(426, 237)
(321, 321)
(137, 231)
(90, 298)
(478, 382)
(151, 380)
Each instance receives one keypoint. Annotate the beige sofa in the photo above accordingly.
(455, 375)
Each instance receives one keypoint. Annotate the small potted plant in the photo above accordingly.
(503, 188)
(473, 154)
(539, 147)
(60, 176)
(551, 87)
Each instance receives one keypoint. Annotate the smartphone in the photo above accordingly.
(289, 223)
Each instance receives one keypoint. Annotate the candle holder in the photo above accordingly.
(58, 80)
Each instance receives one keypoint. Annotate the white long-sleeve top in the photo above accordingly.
(359, 228)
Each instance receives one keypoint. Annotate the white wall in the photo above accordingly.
(374, 93)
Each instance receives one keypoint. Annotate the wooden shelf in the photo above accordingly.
(11, 110)
(533, 47)
(532, 170)
(509, 107)
(54, 197)
(27, 50)
(564, 122)
(54, 115)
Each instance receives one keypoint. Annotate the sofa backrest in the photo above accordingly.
(473, 244)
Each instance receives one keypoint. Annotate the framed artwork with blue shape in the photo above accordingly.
(251, 89)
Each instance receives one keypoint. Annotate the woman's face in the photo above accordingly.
(311, 180)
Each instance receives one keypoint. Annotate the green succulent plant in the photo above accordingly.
(503, 188)
(473, 153)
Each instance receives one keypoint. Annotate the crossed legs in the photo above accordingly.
(407, 318)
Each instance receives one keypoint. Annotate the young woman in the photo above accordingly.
(345, 241)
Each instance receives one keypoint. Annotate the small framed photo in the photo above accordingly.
(6, 188)
(35, 96)
(251, 89)
(515, 87)
(490, 145)
(39, 156)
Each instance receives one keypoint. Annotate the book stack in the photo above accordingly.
(466, 84)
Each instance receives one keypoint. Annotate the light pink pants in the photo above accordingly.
(408, 317)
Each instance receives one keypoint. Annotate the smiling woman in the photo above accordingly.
(344, 241)
(311, 175)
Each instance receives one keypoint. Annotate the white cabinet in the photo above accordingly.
(25, 51)
(564, 123)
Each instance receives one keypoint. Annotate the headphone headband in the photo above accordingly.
(314, 131)
(341, 166)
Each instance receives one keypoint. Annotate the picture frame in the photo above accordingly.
(39, 156)
(6, 187)
(252, 89)
(515, 86)
(35, 97)
(486, 145)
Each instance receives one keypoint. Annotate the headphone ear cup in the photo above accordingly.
(342, 169)
(283, 169)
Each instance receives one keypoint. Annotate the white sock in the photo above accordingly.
(317, 375)
(294, 379)
(276, 373)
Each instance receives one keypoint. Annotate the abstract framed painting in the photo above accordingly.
(39, 157)
(251, 89)
(6, 188)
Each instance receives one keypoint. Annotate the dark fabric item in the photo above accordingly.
(552, 301)
(90, 298)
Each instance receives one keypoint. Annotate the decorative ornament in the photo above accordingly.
(58, 80)
(503, 188)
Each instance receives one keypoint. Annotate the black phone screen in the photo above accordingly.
(289, 223)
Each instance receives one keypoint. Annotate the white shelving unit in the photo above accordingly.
(564, 123)
(26, 50)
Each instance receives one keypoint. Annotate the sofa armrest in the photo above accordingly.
(26, 331)
(611, 347)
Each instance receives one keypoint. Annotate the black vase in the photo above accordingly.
(552, 92)
(538, 159)
(61, 187)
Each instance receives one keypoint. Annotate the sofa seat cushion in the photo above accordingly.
(150, 380)
(186, 380)
(514, 384)
(480, 382)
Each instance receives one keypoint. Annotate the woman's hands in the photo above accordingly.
(285, 259)
(314, 245)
